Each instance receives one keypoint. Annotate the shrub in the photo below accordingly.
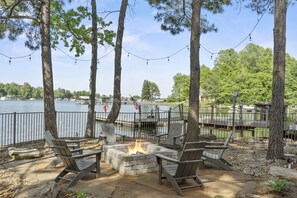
(279, 185)
(81, 195)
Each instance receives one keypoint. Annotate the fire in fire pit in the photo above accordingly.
(136, 149)
(139, 160)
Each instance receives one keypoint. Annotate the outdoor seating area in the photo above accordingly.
(193, 172)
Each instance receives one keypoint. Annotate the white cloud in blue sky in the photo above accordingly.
(143, 37)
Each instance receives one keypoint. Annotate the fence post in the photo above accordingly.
(14, 128)
(233, 118)
(169, 118)
(211, 119)
(181, 111)
(134, 124)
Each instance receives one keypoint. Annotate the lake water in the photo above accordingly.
(22, 106)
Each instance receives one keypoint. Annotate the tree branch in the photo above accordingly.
(108, 13)
(19, 17)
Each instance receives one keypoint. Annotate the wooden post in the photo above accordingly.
(181, 111)
(139, 119)
(157, 113)
(134, 124)
(241, 120)
(267, 116)
(169, 118)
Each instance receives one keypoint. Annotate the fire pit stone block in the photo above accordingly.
(136, 164)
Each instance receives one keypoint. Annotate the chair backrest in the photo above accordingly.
(227, 140)
(174, 130)
(65, 155)
(191, 154)
(48, 137)
(109, 131)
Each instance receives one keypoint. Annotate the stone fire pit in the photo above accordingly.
(135, 164)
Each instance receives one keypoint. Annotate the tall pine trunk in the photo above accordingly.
(116, 105)
(275, 145)
(93, 73)
(49, 103)
(193, 114)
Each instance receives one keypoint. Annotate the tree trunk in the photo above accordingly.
(49, 103)
(275, 146)
(116, 105)
(193, 114)
(93, 73)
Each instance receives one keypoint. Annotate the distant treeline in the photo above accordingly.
(26, 91)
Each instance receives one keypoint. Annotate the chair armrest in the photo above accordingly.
(101, 135)
(215, 147)
(87, 154)
(76, 150)
(159, 135)
(74, 141)
(164, 157)
(215, 143)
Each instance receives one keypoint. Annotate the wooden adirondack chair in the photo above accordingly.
(73, 144)
(173, 137)
(75, 164)
(108, 133)
(214, 153)
(184, 168)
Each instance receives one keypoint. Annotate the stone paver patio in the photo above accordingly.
(112, 184)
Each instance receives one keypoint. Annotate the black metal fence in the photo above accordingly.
(21, 128)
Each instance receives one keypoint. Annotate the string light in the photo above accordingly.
(150, 59)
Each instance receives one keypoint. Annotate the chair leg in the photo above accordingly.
(198, 180)
(226, 161)
(172, 181)
(61, 174)
(80, 175)
(219, 163)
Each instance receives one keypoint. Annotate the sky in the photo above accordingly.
(144, 38)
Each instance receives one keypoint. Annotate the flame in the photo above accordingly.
(136, 149)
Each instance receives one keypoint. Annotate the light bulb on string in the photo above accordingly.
(128, 55)
(188, 47)
(29, 57)
(250, 36)
(9, 60)
(168, 58)
(75, 61)
(211, 55)
(147, 61)
(98, 61)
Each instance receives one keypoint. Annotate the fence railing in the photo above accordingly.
(22, 128)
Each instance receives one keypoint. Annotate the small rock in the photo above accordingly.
(47, 190)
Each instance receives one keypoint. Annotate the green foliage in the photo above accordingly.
(248, 72)
(176, 17)
(279, 185)
(150, 90)
(26, 91)
(27, 25)
(81, 195)
(180, 89)
(71, 28)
